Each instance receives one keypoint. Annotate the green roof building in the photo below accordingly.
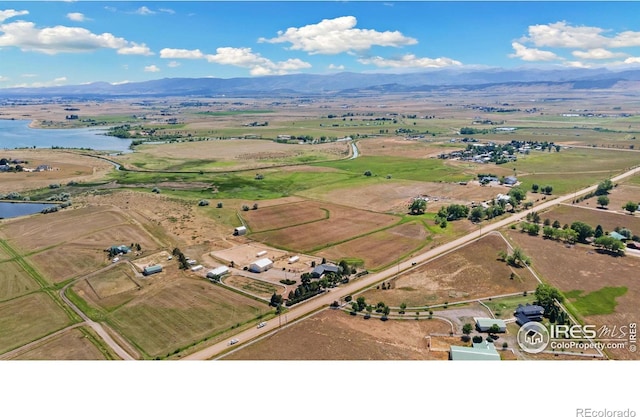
(483, 351)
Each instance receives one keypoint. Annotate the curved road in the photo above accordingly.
(359, 284)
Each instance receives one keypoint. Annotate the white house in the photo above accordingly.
(261, 265)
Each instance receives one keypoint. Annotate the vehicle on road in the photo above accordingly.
(262, 324)
(233, 341)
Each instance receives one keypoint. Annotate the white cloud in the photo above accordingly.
(258, 65)
(410, 61)
(151, 68)
(120, 82)
(598, 53)
(181, 53)
(57, 39)
(9, 13)
(632, 60)
(51, 83)
(135, 49)
(576, 64)
(76, 17)
(169, 11)
(563, 35)
(3, 78)
(334, 67)
(173, 64)
(334, 36)
(532, 54)
(144, 10)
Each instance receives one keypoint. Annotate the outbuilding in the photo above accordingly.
(261, 265)
(294, 259)
(483, 351)
(152, 269)
(240, 230)
(217, 273)
(485, 324)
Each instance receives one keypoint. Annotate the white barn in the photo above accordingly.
(216, 273)
(261, 265)
(239, 231)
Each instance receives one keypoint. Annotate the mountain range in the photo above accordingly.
(348, 84)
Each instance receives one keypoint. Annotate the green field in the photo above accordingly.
(602, 301)
(505, 307)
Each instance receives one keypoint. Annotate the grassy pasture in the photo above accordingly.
(505, 307)
(470, 272)
(253, 286)
(14, 281)
(74, 344)
(181, 313)
(28, 318)
(343, 223)
(602, 301)
(381, 248)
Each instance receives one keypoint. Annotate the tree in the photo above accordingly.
(546, 296)
(535, 188)
(603, 201)
(255, 206)
(610, 244)
(418, 206)
(276, 300)
(245, 207)
(517, 195)
(367, 173)
(518, 258)
(494, 329)
(403, 307)
(477, 214)
(556, 224)
(631, 207)
(360, 301)
(598, 232)
(219, 205)
(583, 230)
(467, 329)
(604, 187)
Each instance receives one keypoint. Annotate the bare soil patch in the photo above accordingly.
(259, 288)
(68, 261)
(285, 215)
(380, 248)
(115, 281)
(334, 335)
(470, 272)
(579, 267)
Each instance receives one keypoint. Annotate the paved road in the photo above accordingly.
(366, 281)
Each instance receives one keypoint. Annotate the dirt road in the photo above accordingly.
(359, 284)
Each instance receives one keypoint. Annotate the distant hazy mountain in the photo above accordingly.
(344, 83)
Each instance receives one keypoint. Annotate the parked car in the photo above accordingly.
(233, 341)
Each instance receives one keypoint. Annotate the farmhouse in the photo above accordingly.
(618, 236)
(261, 265)
(483, 351)
(152, 269)
(510, 180)
(484, 324)
(217, 273)
(525, 314)
(239, 231)
(322, 269)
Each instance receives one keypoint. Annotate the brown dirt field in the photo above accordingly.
(581, 268)
(470, 272)
(244, 153)
(67, 166)
(117, 280)
(284, 215)
(380, 248)
(38, 232)
(567, 214)
(243, 255)
(399, 146)
(395, 197)
(14, 281)
(70, 345)
(618, 197)
(334, 335)
(343, 223)
(67, 261)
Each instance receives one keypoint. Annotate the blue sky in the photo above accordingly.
(76, 42)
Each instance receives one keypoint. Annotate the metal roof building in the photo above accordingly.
(483, 351)
(483, 324)
(153, 269)
(261, 265)
(216, 273)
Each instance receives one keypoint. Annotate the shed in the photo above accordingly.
(218, 272)
(239, 231)
(510, 180)
(294, 259)
(152, 269)
(261, 265)
(483, 351)
(196, 268)
(261, 253)
(484, 324)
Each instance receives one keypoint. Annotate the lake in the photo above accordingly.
(9, 210)
(18, 134)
